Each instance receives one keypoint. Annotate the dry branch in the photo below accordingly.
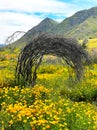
(67, 48)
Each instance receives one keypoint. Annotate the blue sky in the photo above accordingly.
(16, 15)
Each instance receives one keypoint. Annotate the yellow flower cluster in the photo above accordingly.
(19, 108)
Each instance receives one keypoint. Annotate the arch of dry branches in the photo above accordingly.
(66, 48)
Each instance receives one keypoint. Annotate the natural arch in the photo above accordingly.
(66, 48)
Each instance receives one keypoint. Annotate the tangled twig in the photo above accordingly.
(31, 56)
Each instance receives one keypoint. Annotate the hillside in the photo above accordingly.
(43, 27)
(87, 29)
(81, 25)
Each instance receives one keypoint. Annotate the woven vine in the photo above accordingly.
(31, 56)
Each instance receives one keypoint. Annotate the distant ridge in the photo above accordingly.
(81, 25)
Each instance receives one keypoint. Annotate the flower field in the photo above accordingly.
(35, 109)
(54, 103)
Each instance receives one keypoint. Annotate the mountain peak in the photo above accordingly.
(49, 21)
(43, 27)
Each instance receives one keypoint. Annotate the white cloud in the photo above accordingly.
(46, 6)
(18, 19)
(11, 22)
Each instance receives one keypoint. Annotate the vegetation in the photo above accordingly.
(55, 103)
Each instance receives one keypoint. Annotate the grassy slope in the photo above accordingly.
(87, 29)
